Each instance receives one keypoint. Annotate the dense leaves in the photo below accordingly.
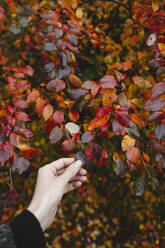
(87, 78)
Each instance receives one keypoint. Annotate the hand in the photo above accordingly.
(53, 180)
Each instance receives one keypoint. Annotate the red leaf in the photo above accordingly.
(20, 164)
(89, 153)
(68, 145)
(22, 116)
(56, 85)
(155, 105)
(49, 126)
(31, 152)
(108, 82)
(5, 150)
(118, 128)
(75, 81)
(133, 154)
(87, 137)
(156, 116)
(12, 83)
(2, 14)
(20, 104)
(55, 135)
(28, 70)
(158, 90)
(74, 115)
(103, 111)
(103, 155)
(25, 132)
(3, 133)
(123, 118)
(88, 85)
(10, 109)
(58, 117)
(22, 85)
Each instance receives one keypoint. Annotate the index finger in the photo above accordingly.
(62, 163)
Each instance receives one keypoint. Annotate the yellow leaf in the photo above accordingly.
(74, 4)
(127, 143)
(162, 48)
(155, 6)
(66, 3)
(79, 13)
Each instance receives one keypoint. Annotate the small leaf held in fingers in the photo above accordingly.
(81, 156)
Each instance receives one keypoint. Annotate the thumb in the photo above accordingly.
(71, 171)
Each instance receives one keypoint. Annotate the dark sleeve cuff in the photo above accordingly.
(27, 232)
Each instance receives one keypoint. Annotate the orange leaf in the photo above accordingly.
(74, 116)
(32, 96)
(138, 119)
(47, 112)
(108, 97)
(146, 157)
(74, 4)
(98, 122)
(40, 104)
(75, 81)
(31, 152)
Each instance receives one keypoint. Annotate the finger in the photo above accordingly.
(72, 186)
(71, 171)
(81, 171)
(62, 163)
(79, 178)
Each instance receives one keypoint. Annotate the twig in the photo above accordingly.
(11, 181)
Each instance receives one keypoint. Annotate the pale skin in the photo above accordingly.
(53, 181)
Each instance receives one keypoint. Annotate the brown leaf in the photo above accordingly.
(55, 135)
(56, 85)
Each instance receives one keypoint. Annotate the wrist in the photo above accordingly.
(38, 213)
(45, 216)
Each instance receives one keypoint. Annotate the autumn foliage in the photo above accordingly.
(95, 85)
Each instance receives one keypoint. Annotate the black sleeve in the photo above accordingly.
(27, 232)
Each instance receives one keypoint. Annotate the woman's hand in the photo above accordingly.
(53, 180)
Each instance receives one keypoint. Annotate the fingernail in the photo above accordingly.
(84, 178)
(78, 163)
(79, 183)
